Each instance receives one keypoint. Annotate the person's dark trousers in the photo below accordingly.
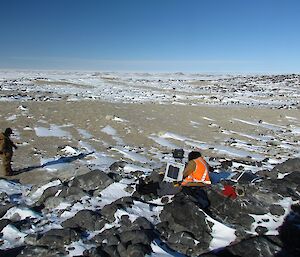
(6, 163)
(197, 195)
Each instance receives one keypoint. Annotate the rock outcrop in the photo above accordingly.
(255, 222)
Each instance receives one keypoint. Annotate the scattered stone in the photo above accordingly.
(117, 166)
(108, 211)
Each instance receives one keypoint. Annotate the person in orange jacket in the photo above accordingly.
(195, 178)
(196, 173)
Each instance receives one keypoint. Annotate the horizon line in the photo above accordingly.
(153, 72)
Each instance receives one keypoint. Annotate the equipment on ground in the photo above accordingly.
(174, 172)
(245, 177)
(178, 154)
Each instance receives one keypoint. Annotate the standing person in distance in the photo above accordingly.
(6, 151)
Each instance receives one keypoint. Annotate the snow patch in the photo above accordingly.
(53, 131)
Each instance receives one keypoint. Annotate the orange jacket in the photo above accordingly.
(200, 174)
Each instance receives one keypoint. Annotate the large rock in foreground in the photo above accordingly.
(184, 227)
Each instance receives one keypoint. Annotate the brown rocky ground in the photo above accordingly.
(139, 122)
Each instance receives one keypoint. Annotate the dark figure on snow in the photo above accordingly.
(6, 151)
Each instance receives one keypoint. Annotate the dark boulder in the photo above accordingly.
(111, 250)
(289, 233)
(49, 192)
(235, 212)
(93, 180)
(85, 220)
(95, 252)
(4, 198)
(108, 211)
(130, 239)
(137, 250)
(167, 188)
(53, 196)
(117, 166)
(141, 223)
(12, 252)
(183, 224)
(292, 178)
(258, 246)
(288, 166)
(136, 237)
(31, 239)
(72, 193)
(277, 210)
(58, 238)
(115, 176)
(102, 237)
(287, 187)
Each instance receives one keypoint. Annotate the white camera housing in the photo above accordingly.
(174, 172)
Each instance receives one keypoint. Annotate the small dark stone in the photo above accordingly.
(165, 199)
(277, 210)
(115, 176)
(125, 221)
(117, 166)
(226, 164)
(261, 230)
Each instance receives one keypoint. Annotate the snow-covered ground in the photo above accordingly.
(260, 147)
(281, 91)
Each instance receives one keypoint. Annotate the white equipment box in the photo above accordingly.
(174, 172)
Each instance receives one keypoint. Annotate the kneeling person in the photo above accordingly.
(195, 177)
(196, 173)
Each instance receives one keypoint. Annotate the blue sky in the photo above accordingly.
(240, 36)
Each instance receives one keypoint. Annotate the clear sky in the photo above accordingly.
(242, 36)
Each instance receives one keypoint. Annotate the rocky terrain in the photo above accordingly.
(93, 148)
(272, 91)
